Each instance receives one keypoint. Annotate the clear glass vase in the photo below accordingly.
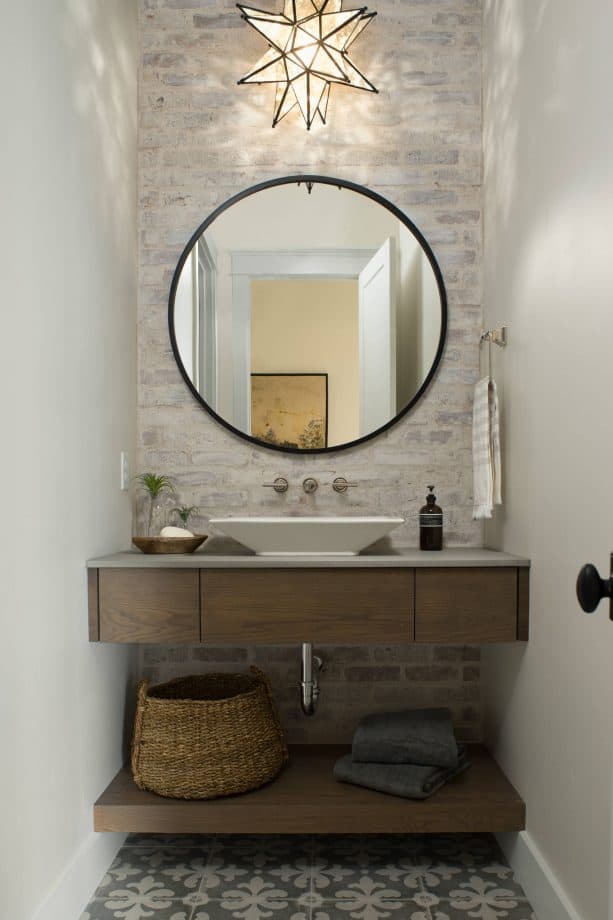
(159, 514)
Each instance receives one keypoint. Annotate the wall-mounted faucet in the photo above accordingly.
(280, 485)
(341, 485)
(312, 665)
(310, 485)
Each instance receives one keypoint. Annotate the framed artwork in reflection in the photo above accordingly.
(290, 410)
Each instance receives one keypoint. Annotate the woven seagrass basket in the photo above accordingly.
(207, 736)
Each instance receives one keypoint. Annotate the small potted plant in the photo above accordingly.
(184, 512)
(155, 486)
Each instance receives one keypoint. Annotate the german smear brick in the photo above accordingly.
(202, 139)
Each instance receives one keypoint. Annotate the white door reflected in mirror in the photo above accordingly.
(377, 308)
(307, 321)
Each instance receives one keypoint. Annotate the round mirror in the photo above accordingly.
(307, 314)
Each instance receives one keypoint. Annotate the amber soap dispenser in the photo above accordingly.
(431, 524)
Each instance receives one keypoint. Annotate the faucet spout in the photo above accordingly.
(309, 685)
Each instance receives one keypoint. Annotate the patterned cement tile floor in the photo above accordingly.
(454, 877)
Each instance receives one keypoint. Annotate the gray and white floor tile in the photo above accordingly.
(370, 877)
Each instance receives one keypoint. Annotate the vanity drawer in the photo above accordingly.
(149, 605)
(466, 605)
(349, 606)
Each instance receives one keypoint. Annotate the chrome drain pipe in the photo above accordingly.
(312, 665)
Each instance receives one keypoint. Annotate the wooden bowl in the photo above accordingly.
(165, 545)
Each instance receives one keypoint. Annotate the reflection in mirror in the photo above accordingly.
(307, 320)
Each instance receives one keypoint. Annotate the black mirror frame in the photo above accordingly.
(308, 181)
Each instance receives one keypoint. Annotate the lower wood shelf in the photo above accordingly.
(306, 799)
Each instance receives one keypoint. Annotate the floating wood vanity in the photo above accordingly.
(465, 596)
(457, 596)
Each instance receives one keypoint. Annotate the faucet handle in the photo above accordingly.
(280, 485)
(340, 484)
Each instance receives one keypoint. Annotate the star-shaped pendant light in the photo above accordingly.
(308, 52)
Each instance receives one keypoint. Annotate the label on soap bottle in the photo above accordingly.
(430, 520)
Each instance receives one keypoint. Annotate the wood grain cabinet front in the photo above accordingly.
(466, 605)
(350, 606)
(344, 606)
(149, 605)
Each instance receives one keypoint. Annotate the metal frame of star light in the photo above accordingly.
(308, 52)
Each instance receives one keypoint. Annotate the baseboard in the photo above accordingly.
(75, 886)
(543, 889)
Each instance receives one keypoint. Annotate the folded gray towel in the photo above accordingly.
(413, 736)
(411, 781)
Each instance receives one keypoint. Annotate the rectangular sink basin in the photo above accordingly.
(307, 536)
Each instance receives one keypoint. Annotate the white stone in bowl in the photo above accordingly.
(175, 532)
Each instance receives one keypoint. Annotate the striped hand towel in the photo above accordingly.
(486, 450)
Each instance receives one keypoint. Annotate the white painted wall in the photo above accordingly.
(328, 218)
(185, 299)
(430, 319)
(549, 275)
(68, 229)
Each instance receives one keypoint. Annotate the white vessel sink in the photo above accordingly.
(307, 536)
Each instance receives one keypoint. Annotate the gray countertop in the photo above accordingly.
(222, 553)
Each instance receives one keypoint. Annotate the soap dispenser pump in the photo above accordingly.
(431, 524)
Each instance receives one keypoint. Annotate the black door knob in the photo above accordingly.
(591, 588)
